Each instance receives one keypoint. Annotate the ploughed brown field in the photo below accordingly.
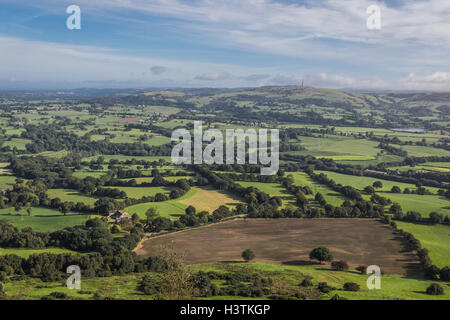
(289, 241)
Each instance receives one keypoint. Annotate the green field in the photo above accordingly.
(331, 196)
(338, 148)
(170, 208)
(25, 253)
(42, 219)
(125, 158)
(70, 195)
(436, 238)
(272, 189)
(424, 204)
(359, 182)
(428, 166)
(139, 192)
(409, 202)
(89, 173)
(424, 151)
(18, 143)
(6, 182)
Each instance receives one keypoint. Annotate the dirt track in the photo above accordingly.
(289, 241)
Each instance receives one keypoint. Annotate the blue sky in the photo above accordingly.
(212, 43)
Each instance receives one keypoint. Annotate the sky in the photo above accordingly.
(233, 43)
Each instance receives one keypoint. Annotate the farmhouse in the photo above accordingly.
(118, 216)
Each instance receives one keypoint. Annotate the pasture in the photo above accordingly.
(272, 189)
(139, 192)
(25, 253)
(436, 238)
(338, 148)
(42, 219)
(331, 196)
(71, 196)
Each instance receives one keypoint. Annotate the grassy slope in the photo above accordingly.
(124, 287)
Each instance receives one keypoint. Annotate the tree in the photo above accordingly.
(151, 214)
(436, 217)
(396, 189)
(377, 185)
(321, 254)
(190, 210)
(339, 265)
(362, 269)
(351, 286)
(435, 289)
(445, 274)
(369, 190)
(413, 216)
(248, 255)
(432, 272)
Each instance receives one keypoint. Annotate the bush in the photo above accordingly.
(362, 269)
(351, 286)
(445, 274)
(337, 297)
(339, 265)
(57, 295)
(432, 272)
(307, 283)
(435, 289)
(324, 287)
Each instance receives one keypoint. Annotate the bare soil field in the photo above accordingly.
(289, 241)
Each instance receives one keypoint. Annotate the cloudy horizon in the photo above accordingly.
(209, 43)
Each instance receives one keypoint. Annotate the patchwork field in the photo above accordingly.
(289, 241)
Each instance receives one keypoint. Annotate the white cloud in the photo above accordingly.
(221, 76)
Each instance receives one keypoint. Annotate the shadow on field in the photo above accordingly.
(420, 292)
(299, 263)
